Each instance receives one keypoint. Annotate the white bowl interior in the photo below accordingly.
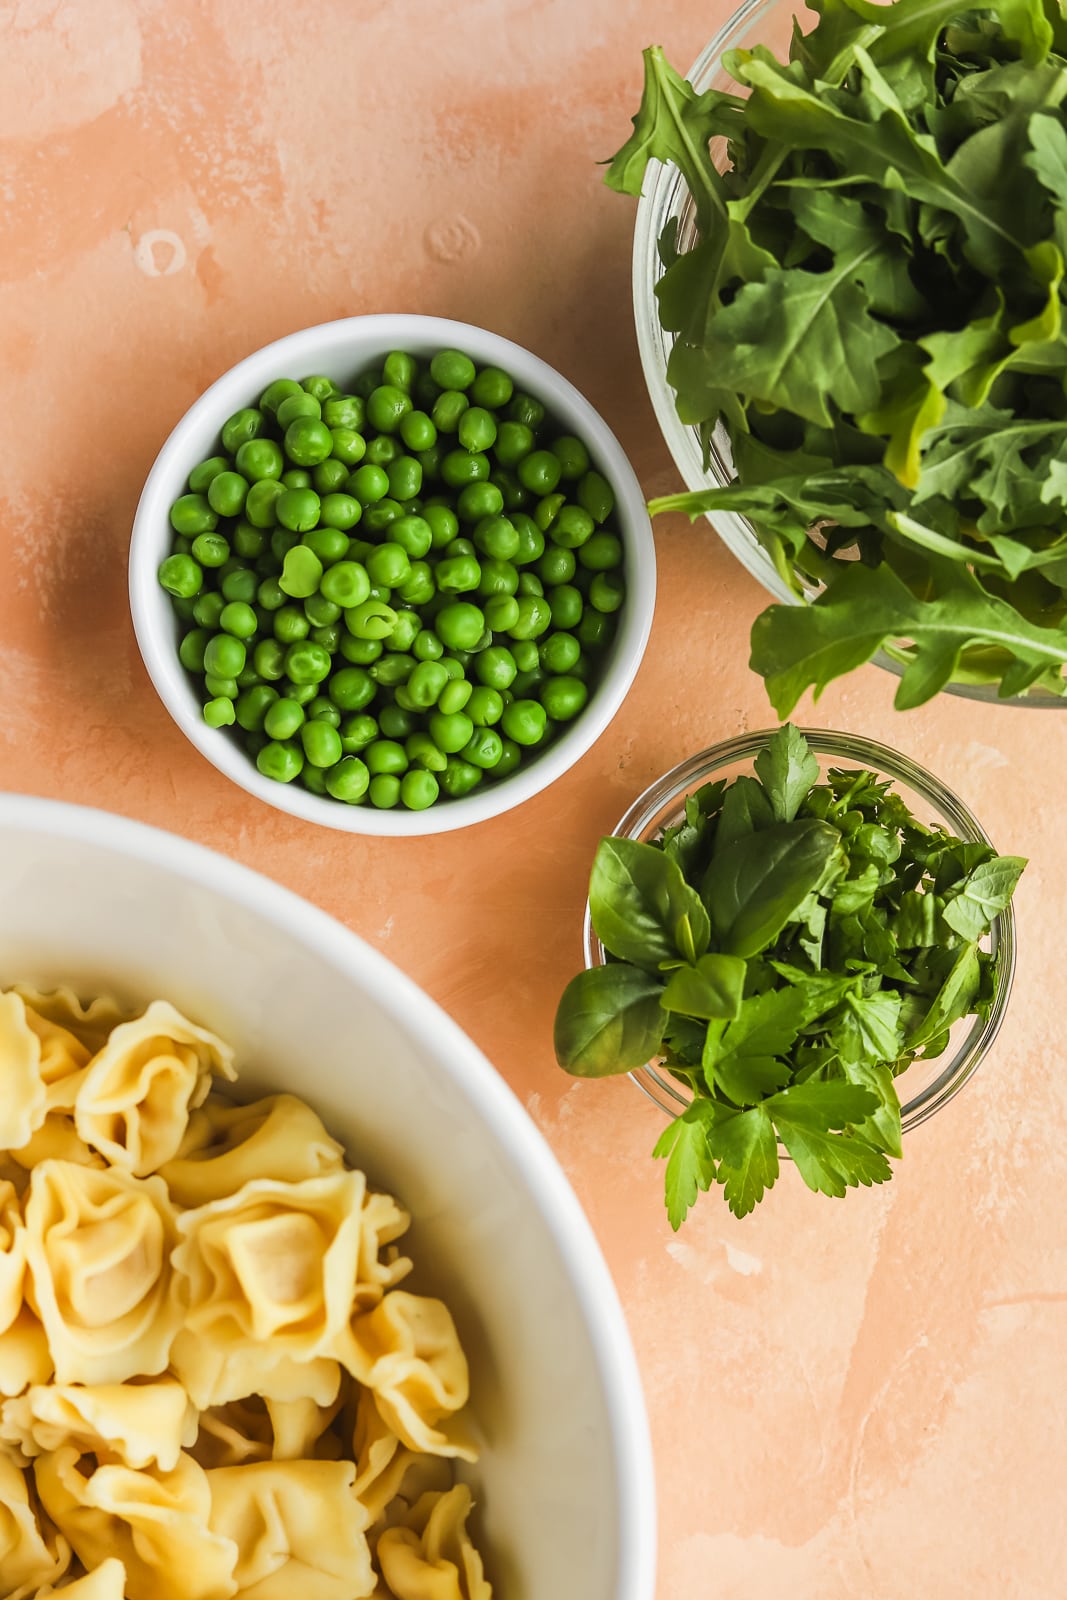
(341, 350)
(564, 1487)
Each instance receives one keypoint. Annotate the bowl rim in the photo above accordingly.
(681, 779)
(461, 1059)
(390, 330)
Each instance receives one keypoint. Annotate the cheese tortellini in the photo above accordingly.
(211, 1382)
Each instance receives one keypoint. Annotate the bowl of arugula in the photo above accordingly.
(848, 286)
(800, 944)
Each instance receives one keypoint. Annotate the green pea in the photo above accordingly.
(367, 382)
(248, 677)
(418, 790)
(182, 607)
(453, 665)
(386, 407)
(483, 749)
(421, 751)
(419, 587)
(383, 450)
(307, 662)
(559, 652)
(243, 426)
(405, 478)
(224, 657)
(601, 551)
(525, 409)
(531, 539)
(510, 758)
(357, 732)
(539, 472)
(564, 697)
(556, 566)
(547, 510)
(527, 655)
(511, 490)
(380, 516)
(524, 721)
(454, 696)
(417, 430)
(191, 649)
(386, 755)
(493, 388)
(237, 582)
(607, 591)
(313, 779)
(360, 652)
(501, 613)
(226, 494)
(460, 777)
(450, 732)
(281, 542)
(393, 668)
(595, 495)
(514, 441)
(368, 484)
(499, 579)
(346, 584)
(269, 659)
(400, 370)
(478, 500)
(262, 498)
(595, 629)
(249, 543)
(388, 565)
(192, 514)
(528, 684)
(448, 408)
(529, 584)
(298, 509)
(207, 609)
(341, 511)
(330, 545)
(252, 706)
(328, 635)
(296, 478)
(345, 411)
(258, 459)
(307, 442)
(495, 668)
(347, 446)
(219, 713)
(291, 625)
(460, 625)
(426, 646)
(460, 547)
(460, 469)
(430, 462)
(181, 576)
(320, 386)
(404, 630)
(572, 455)
(270, 596)
(370, 619)
(477, 429)
(296, 405)
(225, 688)
(396, 721)
(497, 536)
(301, 573)
(384, 791)
(201, 477)
(444, 524)
(484, 706)
(239, 619)
(301, 694)
(566, 604)
(328, 477)
(323, 710)
(452, 369)
(322, 744)
(352, 688)
(348, 780)
(282, 762)
(457, 574)
(535, 616)
(276, 392)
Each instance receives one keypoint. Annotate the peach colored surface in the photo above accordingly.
(848, 1399)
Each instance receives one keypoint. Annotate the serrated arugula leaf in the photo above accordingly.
(690, 1163)
(747, 1153)
(787, 769)
(609, 1020)
(983, 893)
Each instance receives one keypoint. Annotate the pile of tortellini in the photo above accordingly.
(211, 1383)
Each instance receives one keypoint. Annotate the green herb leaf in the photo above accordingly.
(982, 895)
(787, 769)
(829, 1162)
(690, 1163)
(637, 900)
(609, 1020)
(756, 884)
(710, 988)
(952, 1001)
(747, 1152)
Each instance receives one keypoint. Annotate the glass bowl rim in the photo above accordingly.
(972, 1049)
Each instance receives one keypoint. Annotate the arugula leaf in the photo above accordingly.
(712, 987)
(747, 1152)
(981, 895)
(639, 901)
(609, 1020)
(756, 884)
(787, 769)
(690, 1163)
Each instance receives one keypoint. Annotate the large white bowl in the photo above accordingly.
(340, 350)
(564, 1486)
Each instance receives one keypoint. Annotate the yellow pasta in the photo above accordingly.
(211, 1383)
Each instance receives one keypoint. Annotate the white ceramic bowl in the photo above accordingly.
(564, 1486)
(340, 350)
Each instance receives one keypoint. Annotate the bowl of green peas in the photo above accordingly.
(392, 574)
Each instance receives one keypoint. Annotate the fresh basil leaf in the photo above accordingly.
(747, 1153)
(609, 1020)
(757, 883)
(637, 900)
(982, 895)
(787, 769)
(690, 1163)
(711, 987)
(952, 1001)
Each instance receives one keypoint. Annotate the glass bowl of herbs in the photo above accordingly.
(799, 944)
(848, 286)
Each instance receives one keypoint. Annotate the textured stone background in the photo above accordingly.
(848, 1399)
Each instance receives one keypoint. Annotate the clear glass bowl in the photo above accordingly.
(665, 196)
(925, 1086)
